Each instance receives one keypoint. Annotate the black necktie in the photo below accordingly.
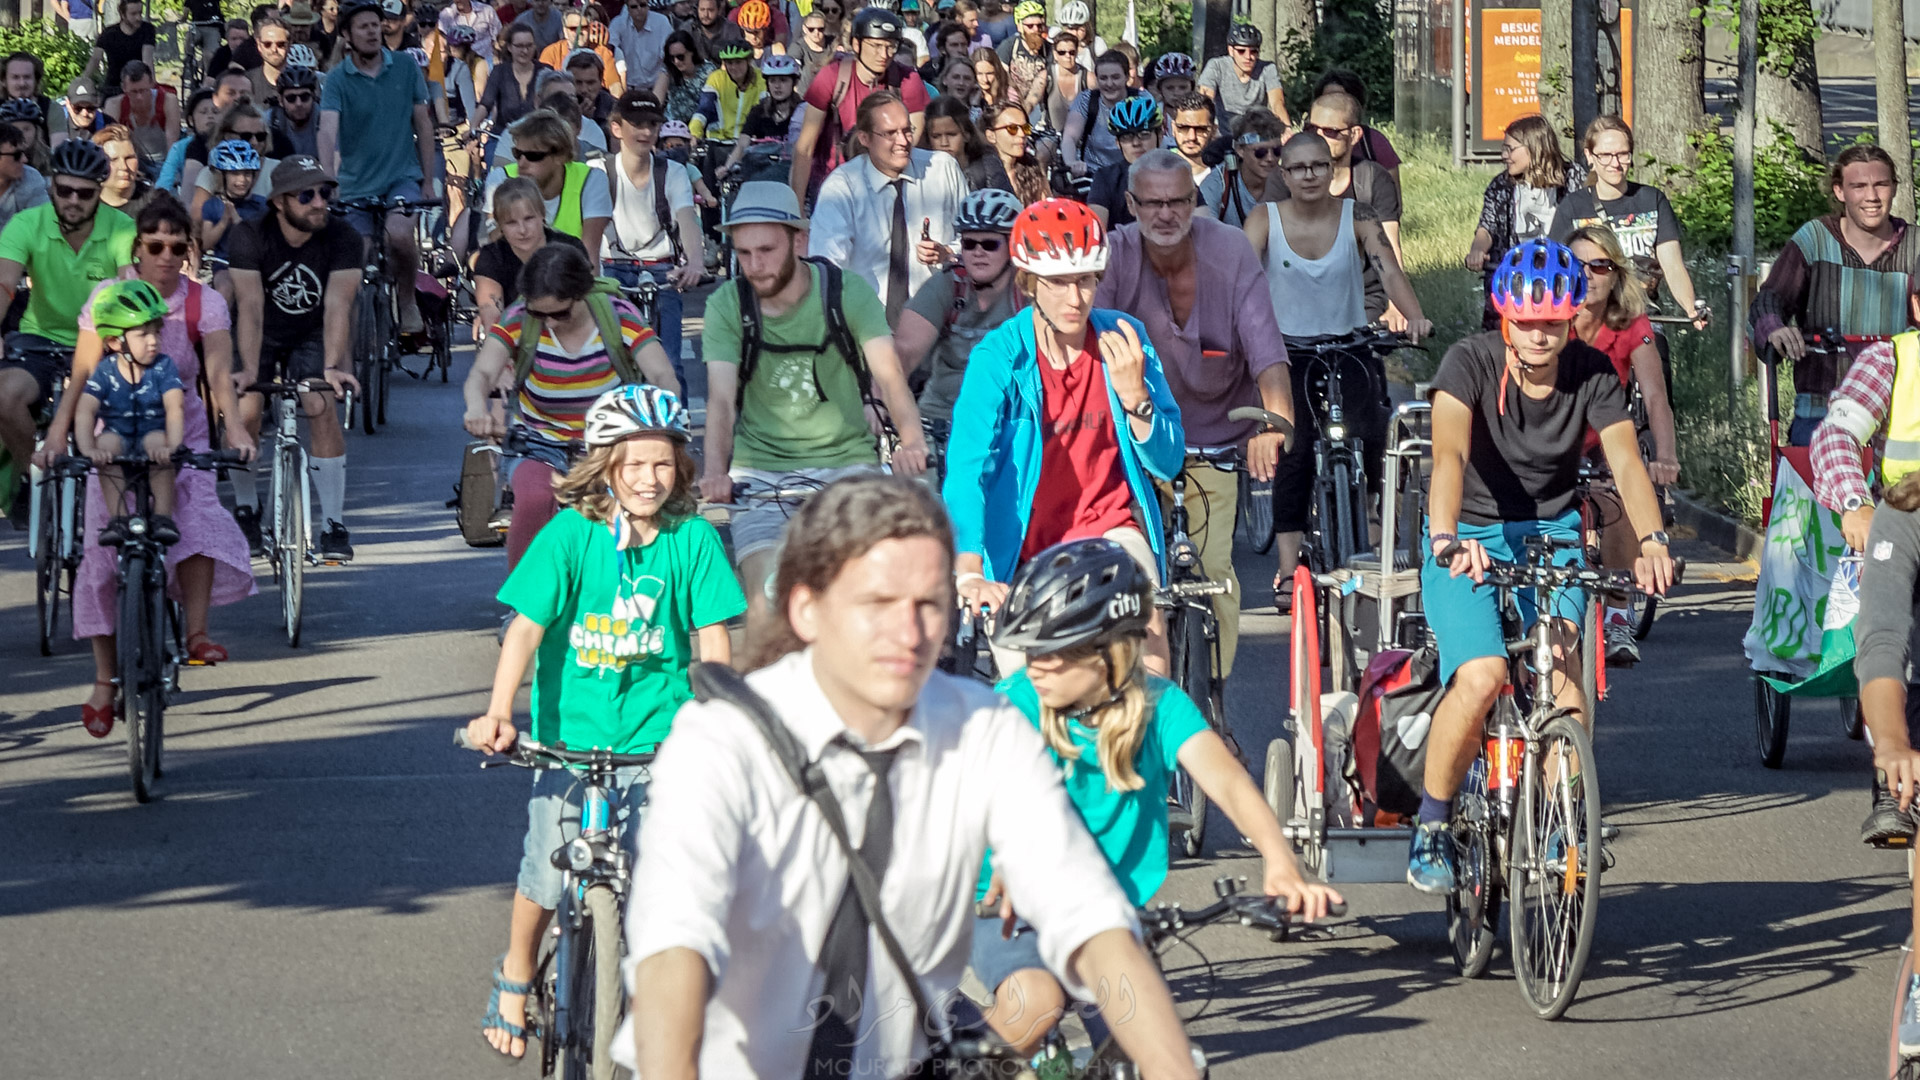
(843, 955)
(897, 254)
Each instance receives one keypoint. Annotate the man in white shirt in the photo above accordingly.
(480, 18)
(639, 40)
(740, 897)
(887, 215)
(639, 241)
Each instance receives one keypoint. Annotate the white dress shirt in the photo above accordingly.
(853, 218)
(738, 866)
(640, 51)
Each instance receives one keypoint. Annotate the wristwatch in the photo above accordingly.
(1852, 503)
(1144, 410)
(1657, 536)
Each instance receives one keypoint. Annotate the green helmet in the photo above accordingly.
(124, 305)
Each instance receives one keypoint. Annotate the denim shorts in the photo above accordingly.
(759, 525)
(553, 820)
(994, 959)
(1466, 617)
(363, 222)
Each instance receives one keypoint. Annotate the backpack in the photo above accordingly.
(1398, 697)
(662, 214)
(839, 334)
(600, 302)
(895, 75)
(1093, 116)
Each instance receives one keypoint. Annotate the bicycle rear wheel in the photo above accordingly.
(1853, 721)
(367, 352)
(47, 565)
(137, 647)
(1473, 909)
(1557, 862)
(1771, 712)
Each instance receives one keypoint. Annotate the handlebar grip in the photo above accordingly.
(460, 739)
(1447, 553)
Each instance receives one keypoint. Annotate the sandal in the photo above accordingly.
(1283, 594)
(492, 1020)
(206, 653)
(98, 722)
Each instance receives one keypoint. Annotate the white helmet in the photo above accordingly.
(675, 129)
(637, 409)
(1075, 13)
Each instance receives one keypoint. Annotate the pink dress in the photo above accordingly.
(206, 528)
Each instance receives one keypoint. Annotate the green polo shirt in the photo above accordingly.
(62, 277)
(376, 123)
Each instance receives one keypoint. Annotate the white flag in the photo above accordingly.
(1131, 35)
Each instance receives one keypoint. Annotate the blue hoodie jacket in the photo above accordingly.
(993, 451)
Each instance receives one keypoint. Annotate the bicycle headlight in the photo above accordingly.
(579, 855)
(1336, 432)
(137, 526)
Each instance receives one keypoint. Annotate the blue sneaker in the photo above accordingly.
(1910, 1020)
(1430, 862)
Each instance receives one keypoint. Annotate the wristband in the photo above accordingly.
(960, 580)
(1444, 536)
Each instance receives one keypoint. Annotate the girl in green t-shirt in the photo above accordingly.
(1078, 610)
(606, 601)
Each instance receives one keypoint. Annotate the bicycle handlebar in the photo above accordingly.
(304, 386)
(403, 206)
(1168, 595)
(1268, 421)
(529, 754)
(1265, 912)
(182, 457)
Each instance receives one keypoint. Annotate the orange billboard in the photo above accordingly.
(1509, 68)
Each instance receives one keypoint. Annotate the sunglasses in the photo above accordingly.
(14, 154)
(1263, 153)
(1602, 267)
(156, 248)
(551, 316)
(324, 193)
(1326, 132)
(271, 45)
(79, 107)
(535, 156)
(1066, 53)
(250, 136)
(63, 191)
(1022, 130)
(296, 97)
(1194, 129)
(967, 243)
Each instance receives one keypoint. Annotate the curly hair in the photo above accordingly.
(588, 486)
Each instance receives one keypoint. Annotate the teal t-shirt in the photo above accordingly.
(1129, 826)
(612, 668)
(376, 123)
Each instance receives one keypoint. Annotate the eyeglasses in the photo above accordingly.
(1309, 169)
(551, 316)
(250, 136)
(1194, 129)
(157, 248)
(64, 191)
(1326, 132)
(968, 243)
(14, 154)
(1183, 203)
(1022, 130)
(535, 156)
(1623, 157)
(296, 97)
(1602, 267)
(324, 193)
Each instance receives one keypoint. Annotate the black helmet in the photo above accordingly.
(298, 78)
(876, 22)
(1081, 592)
(82, 159)
(1245, 34)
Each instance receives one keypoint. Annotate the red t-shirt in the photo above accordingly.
(826, 152)
(1083, 487)
(1619, 346)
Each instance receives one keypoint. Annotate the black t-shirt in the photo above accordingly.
(203, 10)
(762, 123)
(1642, 218)
(1523, 464)
(295, 278)
(497, 261)
(120, 48)
(1109, 189)
(282, 147)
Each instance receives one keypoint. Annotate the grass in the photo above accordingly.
(1722, 445)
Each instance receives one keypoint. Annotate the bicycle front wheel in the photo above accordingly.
(290, 538)
(137, 649)
(1194, 674)
(367, 352)
(1558, 858)
(591, 994)
(47, 565)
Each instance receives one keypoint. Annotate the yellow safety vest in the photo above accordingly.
(1901, 454)
(567, 219)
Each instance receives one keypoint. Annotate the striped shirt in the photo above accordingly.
(1821, 283)
(552, 403)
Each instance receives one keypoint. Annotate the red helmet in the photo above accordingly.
(1058, 238)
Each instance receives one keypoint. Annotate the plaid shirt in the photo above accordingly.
(1834, 454)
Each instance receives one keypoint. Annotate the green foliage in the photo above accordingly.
(1353, 34)
(1163, 28)
(64, 54)
(1786, 28)
(1789, 188)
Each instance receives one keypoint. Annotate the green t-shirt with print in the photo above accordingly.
(612, 668)
(1129, 826)
(801, 409)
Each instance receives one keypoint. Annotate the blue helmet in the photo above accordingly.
(1540, 279)
(234, 155)
(1134, 115)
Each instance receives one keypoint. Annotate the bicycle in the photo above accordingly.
(191, 72)
(375, 345)
(1193, 643)
(1341, 505)
(287, 534)
(56, 540)
(578, 997)
(1527, 818)
(147, 627)
(643, 294)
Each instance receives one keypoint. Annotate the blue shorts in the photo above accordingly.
(994, 959)
(553, 820)
(1466, 617)
(363, 222)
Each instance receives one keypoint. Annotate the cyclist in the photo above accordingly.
(21, 185)
(790, 401)
(730, 92)
(1136, 127)
(931, 770)
(1062, 420)
(1196, 285)
(1520, 199)
(293, 118)
(295, 273)
(136, 397)
(578, 198)
(1320, 296)
(757, 24)
(834, 96)
(381, 98)
(949, 315)
(1078, 611)
(1025, 54)
(1510, 416)
(1087, 141)
(235, 168)
(1335, 117)
(1193, 129)
(670, 247)
(66, 246)
(608, 600)
(1851, 271)
(1240, 80)
(1172, 79)
(562, 346)
(1231, 194)
(1613, 319)
(780, 115)
(518, 214)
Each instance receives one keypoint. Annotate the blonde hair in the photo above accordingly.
(1549, 167)
(1627, 299)
(518, 190)
(588, 485)
(1121, 725)
(543, 129)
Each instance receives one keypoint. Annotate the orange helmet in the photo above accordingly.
(1058, 238)
(754, 15)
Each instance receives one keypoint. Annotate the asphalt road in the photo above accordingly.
(322, 886)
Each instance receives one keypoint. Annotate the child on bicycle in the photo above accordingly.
(608, 598)
(136, 393)
(236, 168)
(1078, 610)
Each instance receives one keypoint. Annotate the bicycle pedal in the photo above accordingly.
(1901, 842)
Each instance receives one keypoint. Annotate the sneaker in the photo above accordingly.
(334, 545)
(1556, 853)
(1887, 826)
(248, 518)
(114, 533)
(164, 530)
(1909, 1033)
(1430, 861)
(1622, 650)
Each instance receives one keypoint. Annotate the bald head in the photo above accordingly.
(1336, 108)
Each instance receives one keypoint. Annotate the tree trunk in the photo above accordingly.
(1210, 21)
(1291, 18)
(1789, 96)
(1582, 69)
(1890, 91)
(1669, 73)
(1556, 69)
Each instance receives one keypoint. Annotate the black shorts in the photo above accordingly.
(1294, 476)
(292, 363)
(43, 358)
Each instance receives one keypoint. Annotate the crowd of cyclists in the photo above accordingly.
(983, 288)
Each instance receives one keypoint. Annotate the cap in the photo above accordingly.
(761, 201)
(298, 173)
(299, 13)
(81, 92)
